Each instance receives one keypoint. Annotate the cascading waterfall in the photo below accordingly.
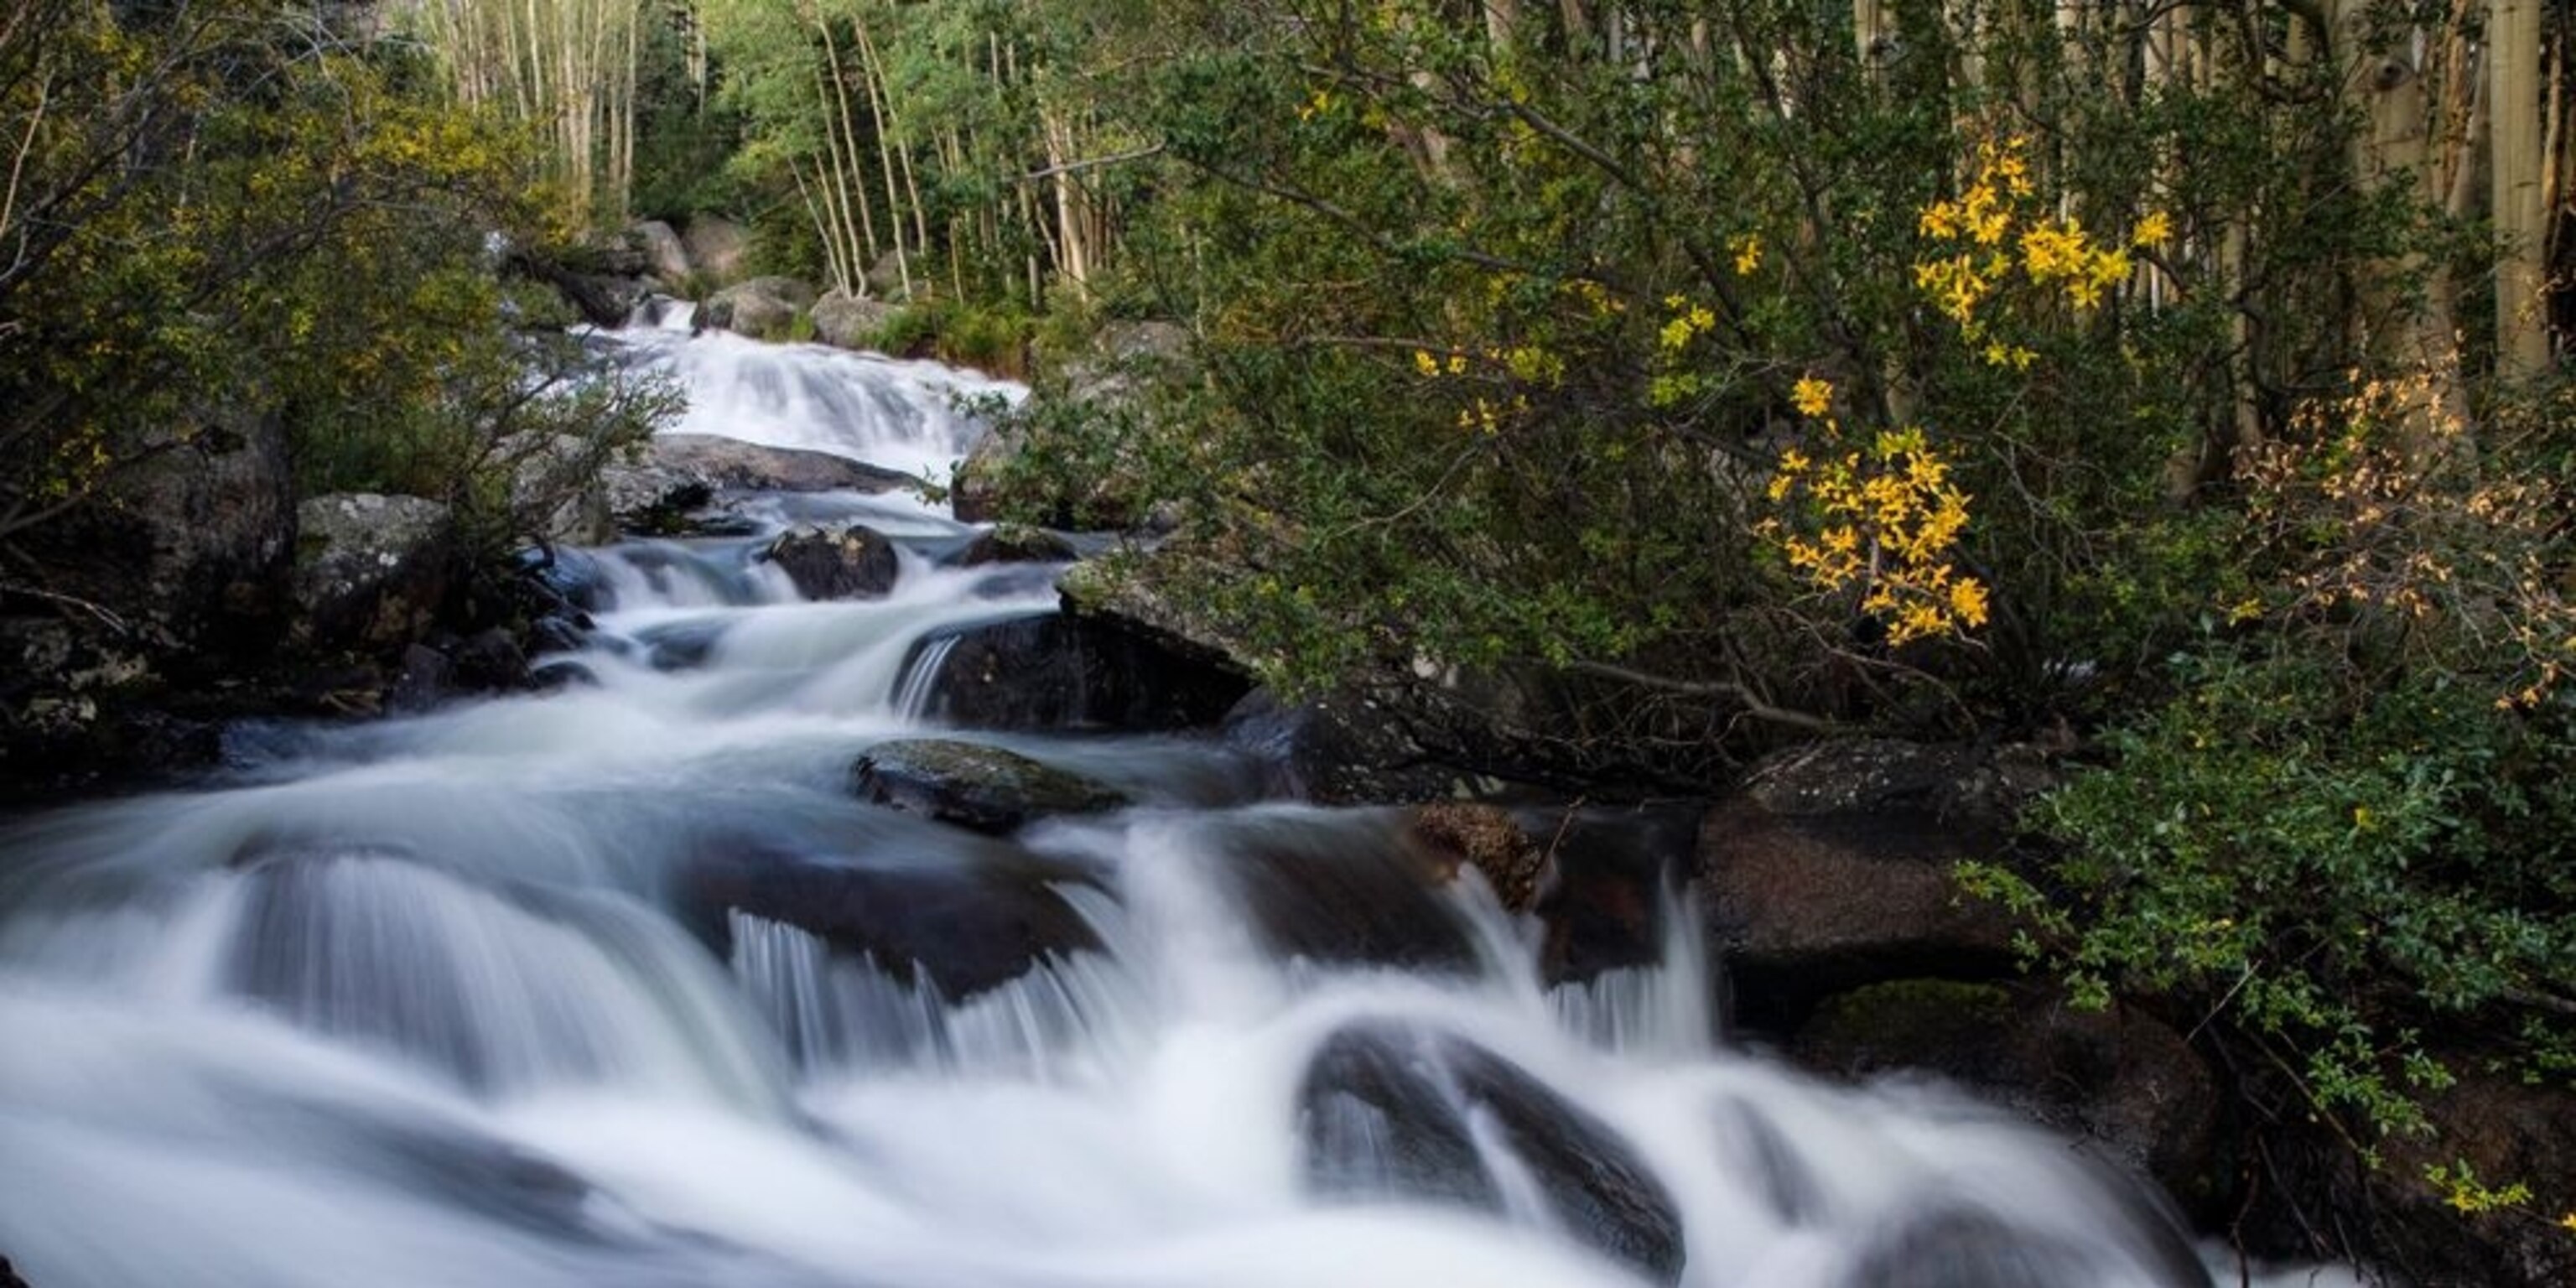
(555, 990)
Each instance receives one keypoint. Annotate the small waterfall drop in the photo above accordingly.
(622, 984)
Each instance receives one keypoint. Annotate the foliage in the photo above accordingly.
(2345, 838)
(228, 213)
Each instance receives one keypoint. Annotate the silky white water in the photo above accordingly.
(466, 999)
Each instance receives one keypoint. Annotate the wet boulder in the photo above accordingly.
(1387, 1110)
(983, 788)
(1052, 671)
(1962, 1248)
(1833, 868)
(1598, 879)
(371, 571)
(2120, 1079)
(965, 919)
(1344, 893)
(856, 562)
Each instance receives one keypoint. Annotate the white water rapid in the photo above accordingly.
(556, 990)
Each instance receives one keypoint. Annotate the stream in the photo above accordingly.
(562, 989)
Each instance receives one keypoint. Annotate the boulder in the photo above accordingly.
(1012, 544)
(1597, 879)
(668, 490)
(966, 921)
(189, 553)
(849, 321)
(370, 570)
(665, 256)
(1966, 1247)
(856, 562)
(2120, 1079)
(973, 785)
(763, 308)
(1053, 671)
(730, 464)
(1352, 893)
(1395, 1111)
(1833, 868)
(716, 247)
(1340, 748)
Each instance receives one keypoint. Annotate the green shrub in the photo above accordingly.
(2337, 878)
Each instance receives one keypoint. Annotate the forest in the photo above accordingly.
(2179, 385)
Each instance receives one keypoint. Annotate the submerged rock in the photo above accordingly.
(856, 562)
(1389, 1110)
(967, 920)
(1349, 895)
(973, 785)
(2120, 1078)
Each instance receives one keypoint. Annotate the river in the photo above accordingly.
(487, 996)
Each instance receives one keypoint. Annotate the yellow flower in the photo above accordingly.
(1812, 397)
(1748, 253)
(2153, 231)
(1425, 363)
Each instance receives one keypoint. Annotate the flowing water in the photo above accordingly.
(550, 990)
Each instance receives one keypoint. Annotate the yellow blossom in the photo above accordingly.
(2153, 231)
(1748, 253)
(1812, 397)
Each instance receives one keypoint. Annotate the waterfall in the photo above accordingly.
(622, 985)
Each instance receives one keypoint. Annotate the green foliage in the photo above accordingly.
(2333, 872)
(227, 214)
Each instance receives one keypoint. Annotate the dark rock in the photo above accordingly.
(189, 553)
(371, 572)
(681, 645)
(2119, 1078)
(856, 562)
(1386, 1110)
(556, 635)
(763, 307)
(1342, 748)
(973, 785)
(9, 1275)
(604, 290)
(1463, 834)
(1616, 870)
(490, 661)
(1010, 544)
(1054, 671)
(1869, 776)
(967, 923)
(1802, 905)
(1962, 1248)
(425, 679)
(1348, 894)
(1597, 878)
